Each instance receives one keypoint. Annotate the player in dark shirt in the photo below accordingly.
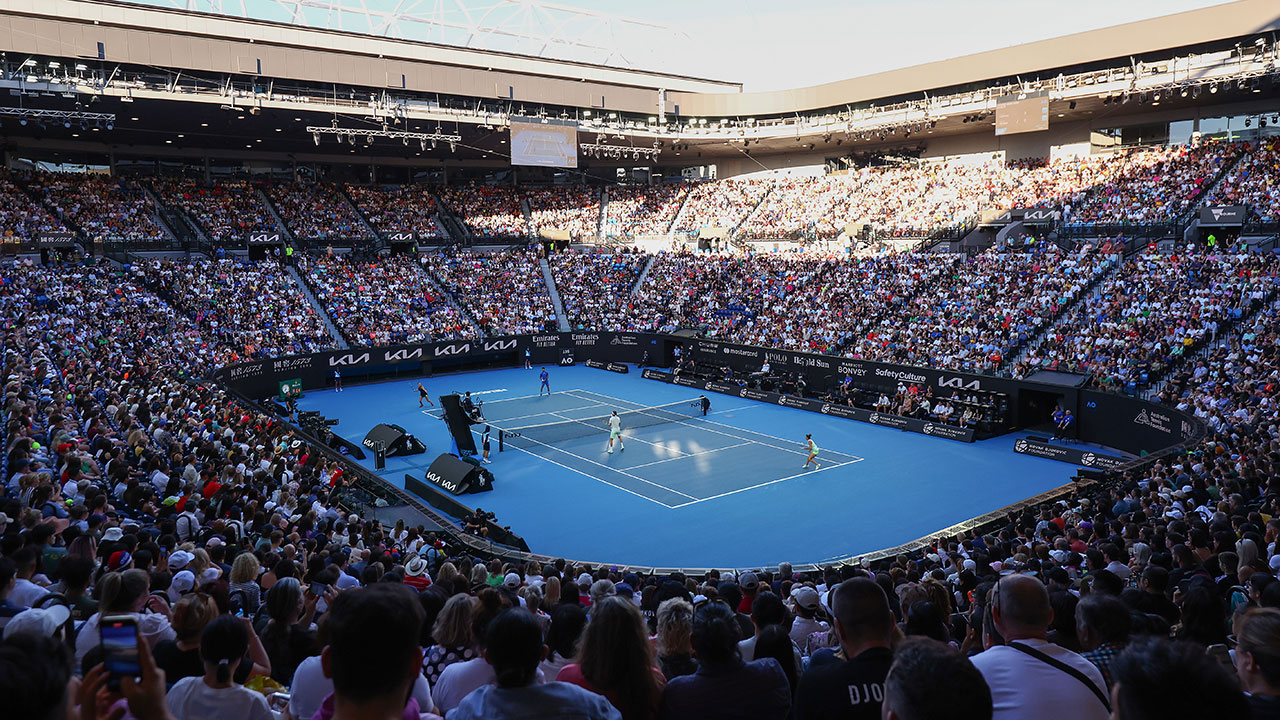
(545, 377)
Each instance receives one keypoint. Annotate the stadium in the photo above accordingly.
(490, 355)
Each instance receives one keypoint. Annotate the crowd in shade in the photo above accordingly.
(225, 210)
(250, 309)
(595, 287)
(488, 210)
(573, 209)
(23, 218)
(1155, 311)
(100, 206)
(978, 311)
(504, 292)
(382, 301)
(1253, 183)
(316, 211)
(397, 208)
(720, 204)
(635, 211)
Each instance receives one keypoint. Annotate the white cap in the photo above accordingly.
(38, 621)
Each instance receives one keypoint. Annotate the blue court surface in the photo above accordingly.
(727, 490)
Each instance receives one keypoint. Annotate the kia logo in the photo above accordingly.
(453, 349)
(500, 344)
(402, 355)
(348, 359)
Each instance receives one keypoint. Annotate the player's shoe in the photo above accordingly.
(610, 451)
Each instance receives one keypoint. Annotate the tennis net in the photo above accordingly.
(548, 433)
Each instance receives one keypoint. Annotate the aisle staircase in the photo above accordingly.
(643, 274)
(338, 338)
(561, 318)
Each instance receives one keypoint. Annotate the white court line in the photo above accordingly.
(689, 455)
(620, 472)
(629, 437)
(520, 397)
(593, 477)
(853, 458)
(760, 485)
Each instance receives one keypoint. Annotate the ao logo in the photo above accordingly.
(1089, 459)
(928, 429)
(874, 419)
(826, 408)
(1020, 446)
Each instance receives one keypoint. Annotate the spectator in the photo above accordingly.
(1028, 673)
(616, 660)
(929, 679)
(1102, 624)
(123, 593)
(214, 694)
(852, 686)
(373, 656)
(725, 686)
(1258, 661)
(514, 649)
(287, 630)
(1157, 679)
(674, 643)
(452, 635)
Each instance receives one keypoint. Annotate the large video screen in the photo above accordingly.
(549, 144)
(1020, 116)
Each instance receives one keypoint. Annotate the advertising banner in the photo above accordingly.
(1223, 215)
(1068, 454)
(915, 425)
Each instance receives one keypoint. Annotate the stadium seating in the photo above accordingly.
(316, 212)
(225, 210)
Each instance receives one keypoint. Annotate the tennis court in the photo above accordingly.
(674, 456)
(724, 491)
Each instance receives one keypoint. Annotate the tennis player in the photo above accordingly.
(484, 444)
(705, 404)
(545, 377)
(812, 448)
(615, 431)
(422, 395)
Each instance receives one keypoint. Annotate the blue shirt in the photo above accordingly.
(543, 376)
(551, 700)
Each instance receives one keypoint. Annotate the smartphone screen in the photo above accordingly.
(319, 589)
(119, 638)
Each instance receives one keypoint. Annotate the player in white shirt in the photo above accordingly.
(615, 431)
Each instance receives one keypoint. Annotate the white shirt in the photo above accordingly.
(25, 593)
(615, 424)
(310, 687)
(1026, 688)
(153, 627)
(191, 699)
(460, 678)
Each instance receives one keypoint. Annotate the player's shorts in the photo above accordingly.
(615, 434)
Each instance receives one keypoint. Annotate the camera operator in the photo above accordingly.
(477, 523)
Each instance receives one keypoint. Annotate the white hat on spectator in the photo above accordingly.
(179, 559)
(38, 621)
(113, 534)
(511, 581)
(748, 581)
(416, 567)
(584, 579)
(182, 584)
(1275, 562)
(806, 597)
(210, 574)
(215, 542)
